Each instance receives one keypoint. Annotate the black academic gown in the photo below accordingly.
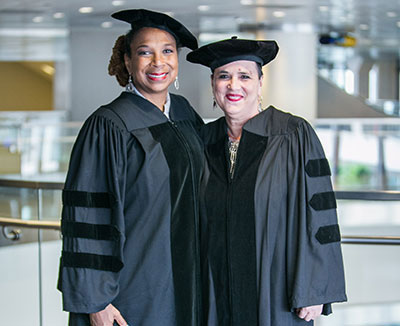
(130, 215)
(272, 242)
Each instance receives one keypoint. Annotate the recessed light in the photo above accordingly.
(106, 24)
(246, 2)
(323, 8)
(391, 14)
(203, 8)
(364, 27)
(85, 10)
(37, 19)
(117, 3)
(279, 14)
(58, 15)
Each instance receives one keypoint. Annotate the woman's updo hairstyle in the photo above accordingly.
(116, 66)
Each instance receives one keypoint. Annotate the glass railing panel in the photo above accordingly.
(373, 288)
(30, 264)
(363, 153)
(51, 204)
(45, 149)
(18, 203)
(51, 297)
(369, 218)
(19, 272)
(19, 283)
(371, 271)
(51, 252)
(29, 149)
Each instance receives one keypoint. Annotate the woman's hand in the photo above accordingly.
(107, 316)
(309, 313)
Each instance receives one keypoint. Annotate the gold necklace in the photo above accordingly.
(233, 148)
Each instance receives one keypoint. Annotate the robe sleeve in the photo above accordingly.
(314, 258)
(93, 225)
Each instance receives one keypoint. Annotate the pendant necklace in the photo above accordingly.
(233, 149)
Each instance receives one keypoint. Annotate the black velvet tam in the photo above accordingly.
(220, 53)
(139, 18)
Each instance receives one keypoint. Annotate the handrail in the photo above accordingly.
(383, 195)
(56, 225)
(371, 240)
(31, 224)
(54, 185)
(341, 195)
(368, 195)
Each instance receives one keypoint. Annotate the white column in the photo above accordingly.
(290, 81)
(363, 77)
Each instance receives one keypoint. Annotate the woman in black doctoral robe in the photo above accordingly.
(130, 203)
(271, 249)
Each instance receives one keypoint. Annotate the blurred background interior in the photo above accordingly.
(338, 66)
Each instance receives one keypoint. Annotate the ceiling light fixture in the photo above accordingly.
(106, 24)
(203, 8)
(364, 27)
(37, 19)
(279, 14)
(246, 2)
(323, 8)
(86, 10)
(37, 32)
(117, 3)
(391, 14)
(58, 15)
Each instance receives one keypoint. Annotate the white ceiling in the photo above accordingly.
(375, 23)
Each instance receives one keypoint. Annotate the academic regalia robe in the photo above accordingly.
(130, 215)
(271, 242)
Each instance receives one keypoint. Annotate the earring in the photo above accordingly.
(260, 109)
(176, 83)
(129, 87)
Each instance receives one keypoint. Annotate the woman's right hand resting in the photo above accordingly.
(107, 317)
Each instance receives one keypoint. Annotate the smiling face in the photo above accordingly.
(154, 61)
(237, 88)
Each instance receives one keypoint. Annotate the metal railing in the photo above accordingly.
(10, 226)
(368, 195)
(14, 234)
(370, 240)
(56, 225)
(341, 195)
(41, 225)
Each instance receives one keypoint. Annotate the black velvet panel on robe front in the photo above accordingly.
(231, 200)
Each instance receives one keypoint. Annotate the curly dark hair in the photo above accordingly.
(116, 66)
